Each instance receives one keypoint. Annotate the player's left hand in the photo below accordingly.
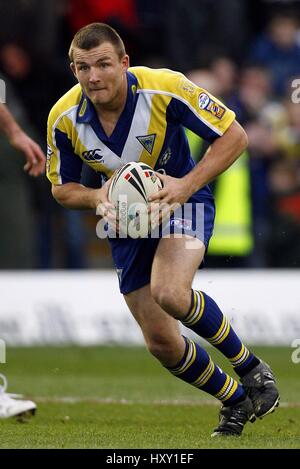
(174, 191)
(35, 158)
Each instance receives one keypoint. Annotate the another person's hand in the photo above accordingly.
(35, 158)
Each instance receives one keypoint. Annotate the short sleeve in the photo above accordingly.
(199, 111)
(63, 165)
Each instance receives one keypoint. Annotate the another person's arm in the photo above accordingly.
(35, 158)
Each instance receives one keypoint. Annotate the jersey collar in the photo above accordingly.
(86, 113)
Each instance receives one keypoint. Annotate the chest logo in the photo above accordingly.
(93, 156)
(147, 141)
(163, 160)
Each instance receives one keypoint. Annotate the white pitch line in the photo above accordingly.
(111, 400)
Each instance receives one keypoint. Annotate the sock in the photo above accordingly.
(207, 320)
(197, 368)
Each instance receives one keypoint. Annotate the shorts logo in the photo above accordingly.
(205, 102)
(147, 141)
(181, 223)
(93, 156)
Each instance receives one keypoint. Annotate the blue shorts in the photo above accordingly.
(133, 257)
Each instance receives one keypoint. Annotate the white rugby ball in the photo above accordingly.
(130, 188)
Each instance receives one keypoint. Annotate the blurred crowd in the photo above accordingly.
(248, 60)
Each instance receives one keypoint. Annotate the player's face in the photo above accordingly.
(101, 73)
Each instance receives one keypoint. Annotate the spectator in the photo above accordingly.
(213, 28)
(34, 23)
(283, 248)
(28, 73)
(278, 50)
(225, 72)
(120, 14)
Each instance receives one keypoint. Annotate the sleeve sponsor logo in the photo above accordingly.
(215, 109)
(187, 86)
(50, 152)
(205, 102)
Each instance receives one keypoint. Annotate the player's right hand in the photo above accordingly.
(104, 207)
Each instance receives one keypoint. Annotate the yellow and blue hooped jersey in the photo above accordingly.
(160, 103)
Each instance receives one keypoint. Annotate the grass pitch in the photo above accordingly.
(113, 397)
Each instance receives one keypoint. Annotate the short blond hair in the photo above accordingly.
(95, 34)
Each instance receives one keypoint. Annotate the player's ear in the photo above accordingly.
(125, 62)
(72, 67)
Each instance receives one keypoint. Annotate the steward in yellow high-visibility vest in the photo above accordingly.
(233, 224)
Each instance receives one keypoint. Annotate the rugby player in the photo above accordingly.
(116, 114)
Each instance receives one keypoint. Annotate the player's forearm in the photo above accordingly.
(8, 125)
(76, 196)
(220, 156)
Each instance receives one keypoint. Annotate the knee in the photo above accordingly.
(167, 296)
(164, 349)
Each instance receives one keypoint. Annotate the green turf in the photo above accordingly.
(127, 400)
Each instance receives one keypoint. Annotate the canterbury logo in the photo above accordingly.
(93, 156)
